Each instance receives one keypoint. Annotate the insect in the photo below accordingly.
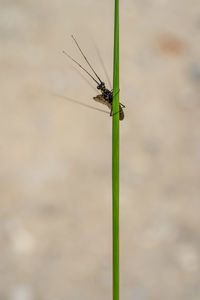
(106, 96)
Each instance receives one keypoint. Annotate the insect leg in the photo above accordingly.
(122, 105)
(116, 93)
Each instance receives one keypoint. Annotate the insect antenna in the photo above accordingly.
(86, 58)
(84, 78)
(102, 64)
(80, 66)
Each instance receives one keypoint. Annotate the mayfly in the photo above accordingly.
(106, 96)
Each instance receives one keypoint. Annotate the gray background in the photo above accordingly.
(55, 171)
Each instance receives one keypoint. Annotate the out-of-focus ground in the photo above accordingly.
(55, 172)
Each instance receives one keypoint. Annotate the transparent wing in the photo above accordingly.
(80, 103)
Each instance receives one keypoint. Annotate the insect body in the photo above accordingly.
(101, 99)
(106, 96)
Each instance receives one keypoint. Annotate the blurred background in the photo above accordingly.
(55, 172)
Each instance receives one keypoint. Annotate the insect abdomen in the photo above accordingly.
(121, 113)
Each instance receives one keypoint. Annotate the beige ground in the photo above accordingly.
(55, 172)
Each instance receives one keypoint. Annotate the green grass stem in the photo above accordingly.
(115, 155)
